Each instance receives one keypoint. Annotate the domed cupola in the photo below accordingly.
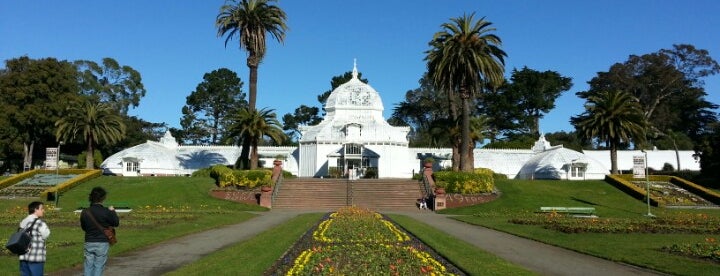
(354, 113)
(354, 95)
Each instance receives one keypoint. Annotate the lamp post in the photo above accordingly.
(57, 174)
(647, 184)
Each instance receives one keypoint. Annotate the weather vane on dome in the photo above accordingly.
(354, 72)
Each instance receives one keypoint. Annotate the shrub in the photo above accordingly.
(225, 176)
(287, 174)
(335, 172)
(97, 159)
(371, 173)
(480, 181)
(205, 172)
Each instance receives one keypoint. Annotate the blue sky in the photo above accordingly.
(173, 43)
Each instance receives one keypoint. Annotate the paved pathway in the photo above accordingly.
(535, 256)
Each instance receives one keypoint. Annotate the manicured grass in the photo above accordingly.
(465, 256)
(522, 198)
(253, 256)
(163, 208)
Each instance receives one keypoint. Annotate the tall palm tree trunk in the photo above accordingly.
(254, 154)
(465, 164)
(243, 162)
(613, 157)
(89, 162)
(248, 143)
(455, 143)
(252, 97)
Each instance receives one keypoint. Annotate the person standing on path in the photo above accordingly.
(32, 263)
(96, 243)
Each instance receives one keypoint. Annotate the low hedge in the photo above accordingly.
(477, 182)
(7, 182)
(701, 191)
(225, 177)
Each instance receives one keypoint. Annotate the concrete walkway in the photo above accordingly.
(535, 256)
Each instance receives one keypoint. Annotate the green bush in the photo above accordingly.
(249, 179)
(479, 181)
(335, 172)
(202, 172)
(287, 174)
(97, 159)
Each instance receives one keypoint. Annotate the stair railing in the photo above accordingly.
(276, 188)
(427, 186)
(349, 192)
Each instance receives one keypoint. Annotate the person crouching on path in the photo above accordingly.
(33, 262)
(96, 243)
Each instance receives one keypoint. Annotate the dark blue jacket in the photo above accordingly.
(103, 216)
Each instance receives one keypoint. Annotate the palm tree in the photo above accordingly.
(614, 117)
(253, 125)
(251, 21)
(90, 122)
(463, 58)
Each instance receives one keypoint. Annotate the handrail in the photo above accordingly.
(276, 188)
(426, 185)
(349, 192)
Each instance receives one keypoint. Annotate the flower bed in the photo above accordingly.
(676, 224)
(355, 241)
(709, 249)
(671, 194)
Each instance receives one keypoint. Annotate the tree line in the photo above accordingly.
(650, 100)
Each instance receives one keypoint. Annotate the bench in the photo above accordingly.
(568, 210)
(116, 204)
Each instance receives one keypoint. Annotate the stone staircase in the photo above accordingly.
(331, 194)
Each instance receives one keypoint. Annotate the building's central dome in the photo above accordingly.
(354, 95)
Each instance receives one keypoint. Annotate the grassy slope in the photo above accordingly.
(148, 194)
(522, 197)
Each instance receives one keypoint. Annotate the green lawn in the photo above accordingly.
(522, 198)
(163, 208)
(168, 207)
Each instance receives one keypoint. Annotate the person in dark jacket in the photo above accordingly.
(96, 243)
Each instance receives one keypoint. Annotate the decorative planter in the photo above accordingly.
(439, 190)
(266, 189)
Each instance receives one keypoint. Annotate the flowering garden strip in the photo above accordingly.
(643, 249)
(672, 195)
(671, 224)
(708, 249)
(355, 241)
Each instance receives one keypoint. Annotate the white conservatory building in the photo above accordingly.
(355, 140)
